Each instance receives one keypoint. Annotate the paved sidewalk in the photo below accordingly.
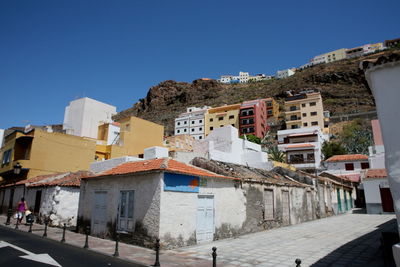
(345, 240)
(127, 252)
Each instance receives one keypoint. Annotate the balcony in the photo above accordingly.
(301, 161)
(293, 118)
(292, 109)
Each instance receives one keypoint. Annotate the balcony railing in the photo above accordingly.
(293, 119)
(301, 161)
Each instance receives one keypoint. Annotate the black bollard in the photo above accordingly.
(16, 225)
(298, 262)
(116, 253)
(30, 227)
(214, 255)
(9, 214)
(87, 237)
(46, 222)
(63, 235)
(157, 247)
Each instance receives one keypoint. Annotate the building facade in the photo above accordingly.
(192, 122)
(83, 116)
(305, 110)
(272, 108)
(349, 166)
(302, 147)
(135, 136)
(253, 118)
(219, 117)
(282, 74)
(40, 152)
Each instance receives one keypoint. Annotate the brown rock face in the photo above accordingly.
(342, 85)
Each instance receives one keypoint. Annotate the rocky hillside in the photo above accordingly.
(342, 85)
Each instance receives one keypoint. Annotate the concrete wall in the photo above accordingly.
(100, 166)
(146, 204)
(372, 194)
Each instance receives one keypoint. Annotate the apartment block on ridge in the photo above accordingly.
(192, 122)
(282, 74)
(305, 110)
(253, 118)
(219, 117)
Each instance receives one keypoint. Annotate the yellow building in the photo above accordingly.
(272, 108)
(335, 55)
(183, 142)
(40, 152)
(221, 116)
(135, 135)
(305, 110)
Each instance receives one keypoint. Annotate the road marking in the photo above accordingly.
(44, 258)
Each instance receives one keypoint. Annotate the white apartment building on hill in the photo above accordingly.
(191, 122)
(243, 77)
(83, 116)
(282, 74)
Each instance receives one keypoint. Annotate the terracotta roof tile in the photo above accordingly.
(163, 164)
(375, 173)
(299, 145)
(66, 179)
(351, 157)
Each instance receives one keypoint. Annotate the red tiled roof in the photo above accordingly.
(375, 173)
(352, 157)
(353, 177)
(299, 145)
(67, 179)
(162, 164)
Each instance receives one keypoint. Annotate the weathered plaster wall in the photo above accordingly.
(179, 211)
(60, 204)
(146, 204)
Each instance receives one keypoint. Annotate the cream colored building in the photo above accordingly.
(221, 116)
(335, 55)
(305, 110)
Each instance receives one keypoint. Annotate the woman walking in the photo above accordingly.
(21, 208)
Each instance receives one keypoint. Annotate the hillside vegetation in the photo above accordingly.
(342, 85)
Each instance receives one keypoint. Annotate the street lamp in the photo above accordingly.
(17, 168)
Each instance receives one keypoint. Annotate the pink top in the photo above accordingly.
(21, 206)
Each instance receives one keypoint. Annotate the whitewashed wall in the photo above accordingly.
(146, 198)
(179, 209)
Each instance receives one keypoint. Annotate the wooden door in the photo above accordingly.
(126, 211)
(285, 208)
(387, 200)
(38, 199)
(205, 219)
(99, 215)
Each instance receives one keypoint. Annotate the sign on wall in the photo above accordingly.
(181, 183)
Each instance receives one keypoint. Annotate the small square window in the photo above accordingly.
(220, 118)
(185, 122)
(184, 130)
(192, 122)
(305, 124)
(314, 123)
(314, 113)
(211, 128)
(304, 114)
(178, 131)
(303, 105)
(364, 165)
(200, 129)
(192, 129)
(313, 104)
(349, 166)
(231, 117)
(211, 119)
(200, 121)
(200, 137)
(179, 123)
(221, 126)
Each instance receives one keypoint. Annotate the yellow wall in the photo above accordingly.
(137, 134)
(308, 119)
(335, 55)
(53, 152)
(224, 112)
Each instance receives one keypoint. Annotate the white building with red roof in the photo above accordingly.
(349, 166)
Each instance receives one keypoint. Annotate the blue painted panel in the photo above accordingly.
(181, 183)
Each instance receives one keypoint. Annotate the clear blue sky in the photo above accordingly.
(52, 52)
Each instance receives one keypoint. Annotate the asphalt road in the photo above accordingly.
(14, 244)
